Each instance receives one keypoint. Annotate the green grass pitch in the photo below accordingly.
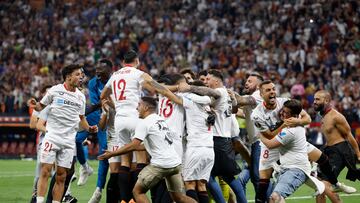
(16, 180)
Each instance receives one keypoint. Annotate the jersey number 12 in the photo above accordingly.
(119, 87)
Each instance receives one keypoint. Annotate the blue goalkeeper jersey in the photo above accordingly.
(95, 87)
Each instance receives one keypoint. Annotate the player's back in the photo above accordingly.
(126, 88)
(198, 132)
(223, 111)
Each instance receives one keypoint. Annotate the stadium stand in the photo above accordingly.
(303, 45)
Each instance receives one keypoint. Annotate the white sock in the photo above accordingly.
(86, 165)
(68, 191)
(55, 201)
(98, 189)
(39, 199)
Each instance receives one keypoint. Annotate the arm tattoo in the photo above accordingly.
(245, 100)
(205, 91)
(159, 88)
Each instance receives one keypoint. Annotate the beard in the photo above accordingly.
(248, 91)
(319, 107)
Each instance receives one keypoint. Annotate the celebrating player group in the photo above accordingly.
(176, 138)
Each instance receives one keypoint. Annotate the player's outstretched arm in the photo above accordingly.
(132, 146)
(105, 94)
(272, 143)
(204, 91)
(85, 125)
(161, 89)
(304, 119)
(245, 100)
(344, 128)
(240, 147)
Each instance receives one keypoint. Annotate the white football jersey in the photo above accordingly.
(63, 117)
(253, 133)
(126, 88)
(157, 138)
(199, 134)
(174, 116)
(267, 119)
(223, 111)
(293, 152)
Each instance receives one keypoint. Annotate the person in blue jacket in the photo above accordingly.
(95, 86)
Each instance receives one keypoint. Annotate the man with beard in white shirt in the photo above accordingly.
(67, 110)
(266, 120)
(165, 162)
(225, 165)
(292, 145)
(247, 103)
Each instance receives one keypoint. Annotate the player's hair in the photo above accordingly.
(171, 79)
(176, 77)
(265, 83)
(150, 101)
(257, 75)
(203, 72)
(166, 79)
(130, 56)
(198, 83)
(294, 105)
(108, 63)
(68, 70)
(217, 74)
(187, 70)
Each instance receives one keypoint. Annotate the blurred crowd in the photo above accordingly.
(302, 45)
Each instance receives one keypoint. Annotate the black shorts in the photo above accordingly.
(341, 155)
(225, 164)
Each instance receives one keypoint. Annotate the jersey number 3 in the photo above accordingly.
(119, 87)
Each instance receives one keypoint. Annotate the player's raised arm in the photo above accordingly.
(38, 106)
(270, 143)
(204, 91)
(132, 146)
(304, 119)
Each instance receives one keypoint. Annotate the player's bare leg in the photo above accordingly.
(334, 197)
(59, 183)
(45, 173)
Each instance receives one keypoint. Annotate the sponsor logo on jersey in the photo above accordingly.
(282, 135)
(67, 102)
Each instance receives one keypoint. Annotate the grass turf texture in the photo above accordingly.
(16, 181)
